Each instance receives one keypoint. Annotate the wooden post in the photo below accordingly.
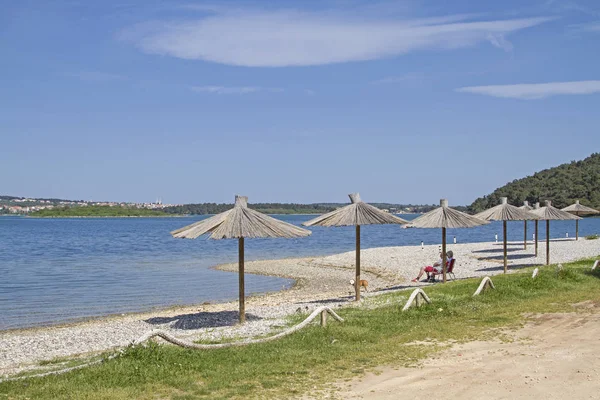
(576, 229)
(357, 281)
(547, 242)
(536, 237)
(525, 236)
(324, 318)
(241, 276)
(505, 256)
(444, 253)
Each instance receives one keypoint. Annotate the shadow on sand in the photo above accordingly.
(329, 301)
(509, 249)
(510, 267)
(532, 243)
(500, 257)
(400, 287)
(201, 320)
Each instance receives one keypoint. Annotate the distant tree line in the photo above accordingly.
(284, 208)
(98, 211)
(577, 180)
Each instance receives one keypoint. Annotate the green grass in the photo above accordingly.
(374, 334)
(592, 237)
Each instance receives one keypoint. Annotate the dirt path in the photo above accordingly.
(555, 356)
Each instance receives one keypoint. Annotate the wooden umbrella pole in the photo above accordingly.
(547, 242)
(525, 236)
(576, 229)
(505, 257)
(444, 253)
(357, 280)
(536, 237)
(241, 275)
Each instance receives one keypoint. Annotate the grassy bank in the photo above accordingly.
(375, 334)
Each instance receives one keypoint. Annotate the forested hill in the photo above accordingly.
(577, 180)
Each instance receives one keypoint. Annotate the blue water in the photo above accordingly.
(57, 270)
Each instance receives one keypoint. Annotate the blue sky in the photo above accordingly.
(192, 101)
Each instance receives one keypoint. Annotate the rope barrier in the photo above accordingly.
(324, 310)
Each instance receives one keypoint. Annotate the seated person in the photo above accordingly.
(434, 269)
(449, 260)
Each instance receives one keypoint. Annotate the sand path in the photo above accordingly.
(555, 356)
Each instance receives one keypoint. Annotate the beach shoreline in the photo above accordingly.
(318, 281)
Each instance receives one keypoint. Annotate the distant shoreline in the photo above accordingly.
(104, 216)
(149, 216)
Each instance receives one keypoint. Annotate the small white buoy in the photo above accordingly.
(422, 244)
(496, 236)
(454, 239)
(567, 234)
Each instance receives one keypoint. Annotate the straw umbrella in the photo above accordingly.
(579, 210)
(505, 212)
(551, 213)
(446, 217)
(356, 213)
(238, 223)
(525, 207)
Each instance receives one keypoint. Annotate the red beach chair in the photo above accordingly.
(449, 271)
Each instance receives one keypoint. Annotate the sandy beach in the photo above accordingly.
(319, 280)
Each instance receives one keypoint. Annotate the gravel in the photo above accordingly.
(319, 281)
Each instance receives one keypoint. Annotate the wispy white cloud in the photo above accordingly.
(565, 6)
(293, 38)
(532, 91)
(500, 42)
(408, 77)
(234, 89)
(96, 76)
(593, 27)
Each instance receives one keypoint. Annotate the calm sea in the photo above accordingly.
(58, 270)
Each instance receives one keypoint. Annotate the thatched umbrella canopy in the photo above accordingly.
(238, 223)
(551, 213)
(356, 213)
(579, 209)
(505, 212)
(446, 217)
(525, 207)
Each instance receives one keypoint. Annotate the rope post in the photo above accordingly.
(324, 318)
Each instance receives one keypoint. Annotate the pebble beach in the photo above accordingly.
(319, 281)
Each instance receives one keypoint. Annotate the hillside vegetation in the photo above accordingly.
(577, 180)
